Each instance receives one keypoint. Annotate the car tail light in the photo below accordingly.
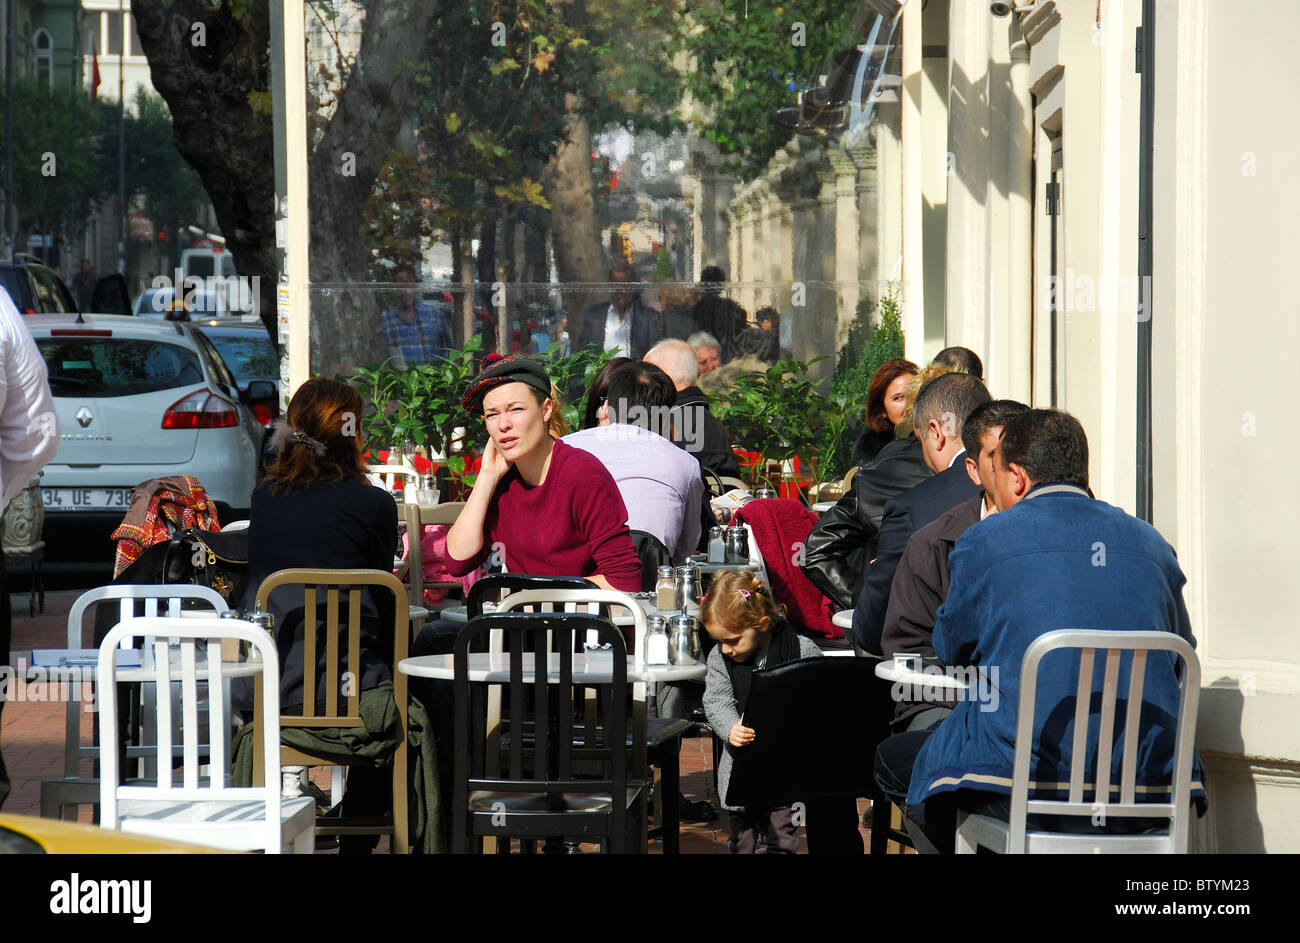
(202, 409)
(264, 413)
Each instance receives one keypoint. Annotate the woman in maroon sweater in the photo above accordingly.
(545, 507)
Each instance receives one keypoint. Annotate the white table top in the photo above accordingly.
(76, 662)
(821, 507)
(843, 618)
(935, 678)
(495, 669)
(702, 561)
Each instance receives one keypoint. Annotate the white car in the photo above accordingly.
(139, 399)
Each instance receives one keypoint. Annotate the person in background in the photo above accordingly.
(708, 352)
(416, 332)
(921, 582)
(83, 286)
(599, 387)
(660, 484)
(29, 439)
(940, 409)
(962, 359)
(625, 324)
(719, 316)
(695, 428)
(886, 407)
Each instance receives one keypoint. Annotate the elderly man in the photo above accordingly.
(29, 438)
(660, 484)
(695, 428)
(941, 408)
(921, 582)
(625, 323)
(1052, 557)
(708, 352)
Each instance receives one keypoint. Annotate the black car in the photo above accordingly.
(36, 289)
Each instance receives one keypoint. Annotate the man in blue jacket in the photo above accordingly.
(1053, 558)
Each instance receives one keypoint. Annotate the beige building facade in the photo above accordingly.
(1003, 198)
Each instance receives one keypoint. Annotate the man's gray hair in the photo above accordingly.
(677, 359)
(703, 339)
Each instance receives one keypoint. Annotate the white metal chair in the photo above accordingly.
(1012, 837)
(202, 809)
(73, 788)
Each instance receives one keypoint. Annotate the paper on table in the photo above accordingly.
(80, 657)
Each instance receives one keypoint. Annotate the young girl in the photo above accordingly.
(751, 632)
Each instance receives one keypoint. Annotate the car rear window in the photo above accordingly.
(111, 366)
(11, 281)
(249, 358)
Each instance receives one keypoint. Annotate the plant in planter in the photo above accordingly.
(864, 352)
(421, 404)
(572, 375)
(779, 414)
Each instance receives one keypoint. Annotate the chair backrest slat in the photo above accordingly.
(1106, 730)
(218, 718)
(189, 715)
(163, 669)
(309, 652)
(331, 649)
(542, 768)
(517, 711)
(1132, 722)
(353, 680)
(1082, 707)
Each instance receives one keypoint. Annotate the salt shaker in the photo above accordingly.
(656, 642)
(664, 592)
(717, 546)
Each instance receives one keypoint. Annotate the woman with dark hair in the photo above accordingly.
(886, 405)
(599, 387)
(316, 509)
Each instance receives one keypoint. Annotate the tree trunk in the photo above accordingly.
(578, 255)
(214, 126)
(229, 144)
(344, 166)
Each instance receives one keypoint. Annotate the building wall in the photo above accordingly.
(1224, 384)
(1224, 327)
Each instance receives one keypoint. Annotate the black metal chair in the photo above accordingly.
(540, 794)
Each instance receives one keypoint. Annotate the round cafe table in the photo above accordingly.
(489, 668)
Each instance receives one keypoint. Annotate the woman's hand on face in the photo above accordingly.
(494, 465)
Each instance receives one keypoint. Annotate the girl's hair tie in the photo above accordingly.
(313, 444)
(744, 593)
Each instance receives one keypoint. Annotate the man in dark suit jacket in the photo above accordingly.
(921, 582)
(941, 408)
(624, 319)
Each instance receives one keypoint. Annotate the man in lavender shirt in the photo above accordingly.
(660, 483)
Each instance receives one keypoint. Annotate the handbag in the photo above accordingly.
(209, 558)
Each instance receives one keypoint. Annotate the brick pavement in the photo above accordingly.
(31, 735)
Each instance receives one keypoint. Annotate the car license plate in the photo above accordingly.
(86, 499)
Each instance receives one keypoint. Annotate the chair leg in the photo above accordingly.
(669, 793)
(305, 843)
(879, 827)
(962, 844)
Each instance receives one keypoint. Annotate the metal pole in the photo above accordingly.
(10, 224)
(1146, 158)
(121, 147)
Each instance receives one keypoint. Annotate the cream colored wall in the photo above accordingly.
(1226, 332)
